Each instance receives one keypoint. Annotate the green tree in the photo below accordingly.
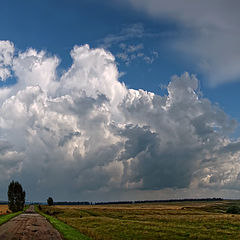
(50, 201)
(16, 197)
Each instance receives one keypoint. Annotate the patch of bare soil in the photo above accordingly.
(29, 225)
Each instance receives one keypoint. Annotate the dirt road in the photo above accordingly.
(29, 226)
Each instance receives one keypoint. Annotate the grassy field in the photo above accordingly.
(179, 220)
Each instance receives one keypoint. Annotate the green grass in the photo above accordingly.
(182, 220)
(68, 232)
(7, 217)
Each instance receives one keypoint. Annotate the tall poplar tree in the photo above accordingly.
(16, 197)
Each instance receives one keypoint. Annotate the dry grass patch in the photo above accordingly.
(4, 209)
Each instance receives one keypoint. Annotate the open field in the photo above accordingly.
(178, 220)
(3, 209)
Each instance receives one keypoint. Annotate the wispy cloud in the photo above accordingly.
(127, 32)
(130, 53)
(209, 34)
(127, 52)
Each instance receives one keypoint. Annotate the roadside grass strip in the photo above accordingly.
(68, 232)
(7, 217)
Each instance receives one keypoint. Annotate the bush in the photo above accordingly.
(50, 201)
(234, 210)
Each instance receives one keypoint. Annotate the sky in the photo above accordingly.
(120, 100)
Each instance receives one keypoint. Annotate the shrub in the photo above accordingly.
(50, 201)
(234, 210)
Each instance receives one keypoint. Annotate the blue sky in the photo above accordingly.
(57, 26)
(66, 98)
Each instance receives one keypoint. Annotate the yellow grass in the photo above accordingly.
(3, 209)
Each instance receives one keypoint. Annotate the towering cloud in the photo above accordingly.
(86, 133)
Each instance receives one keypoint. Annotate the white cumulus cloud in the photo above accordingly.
(86, 135)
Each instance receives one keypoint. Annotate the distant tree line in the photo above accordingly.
(161, 201)
(116, 202)
(133, 202)
(72, 203)
(182, 200)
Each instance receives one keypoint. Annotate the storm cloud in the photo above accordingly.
(84, 134)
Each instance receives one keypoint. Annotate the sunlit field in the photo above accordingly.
(178, 220)
(3, 209)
